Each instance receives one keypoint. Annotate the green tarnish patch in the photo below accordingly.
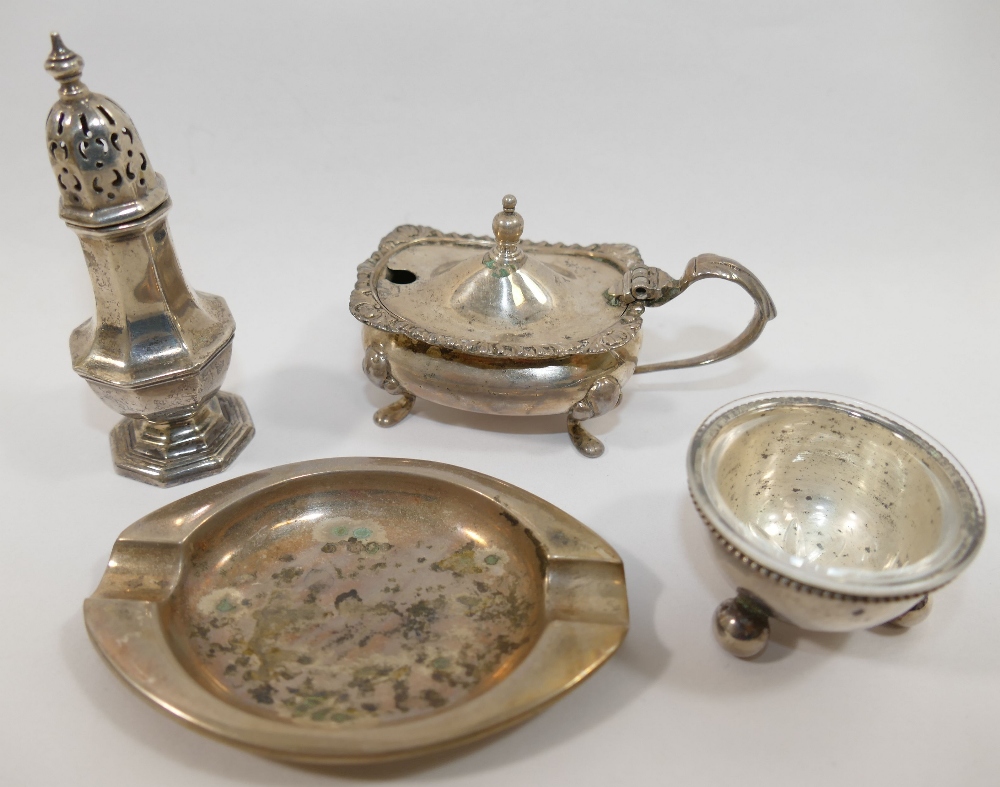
(326, 630)
(355, 546)
(308, 705)
(461, 562)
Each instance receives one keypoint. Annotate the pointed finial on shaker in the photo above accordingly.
(66, 67)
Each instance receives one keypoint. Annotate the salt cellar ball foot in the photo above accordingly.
(156, 351)
(917, 614)
(741, 627)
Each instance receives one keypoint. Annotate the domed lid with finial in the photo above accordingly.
(500, 296)
(102, 169)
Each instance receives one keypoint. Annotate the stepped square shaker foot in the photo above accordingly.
(155, 351)
(167, 453)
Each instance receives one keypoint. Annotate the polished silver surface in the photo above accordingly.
(741, 627)
(830, 513)
(510, 327)
(156, 351)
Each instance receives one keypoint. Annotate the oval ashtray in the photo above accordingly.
(828, 513)
(356, 610)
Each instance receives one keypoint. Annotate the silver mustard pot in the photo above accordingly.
(520, 328)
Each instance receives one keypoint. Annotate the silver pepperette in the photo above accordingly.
(155, 351)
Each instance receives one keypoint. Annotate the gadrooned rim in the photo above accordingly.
(367, 307)
(883, 585)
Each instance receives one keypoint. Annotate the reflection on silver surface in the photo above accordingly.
(828, 513)
(834, 491)
(519, 328)
(156, 351)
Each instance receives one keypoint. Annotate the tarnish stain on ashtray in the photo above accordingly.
(357, 610)
(343, 619)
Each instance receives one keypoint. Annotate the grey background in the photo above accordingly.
(846, 152)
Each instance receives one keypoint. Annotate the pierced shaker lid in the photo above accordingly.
(102, 169)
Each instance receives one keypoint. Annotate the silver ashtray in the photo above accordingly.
(829, 514)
